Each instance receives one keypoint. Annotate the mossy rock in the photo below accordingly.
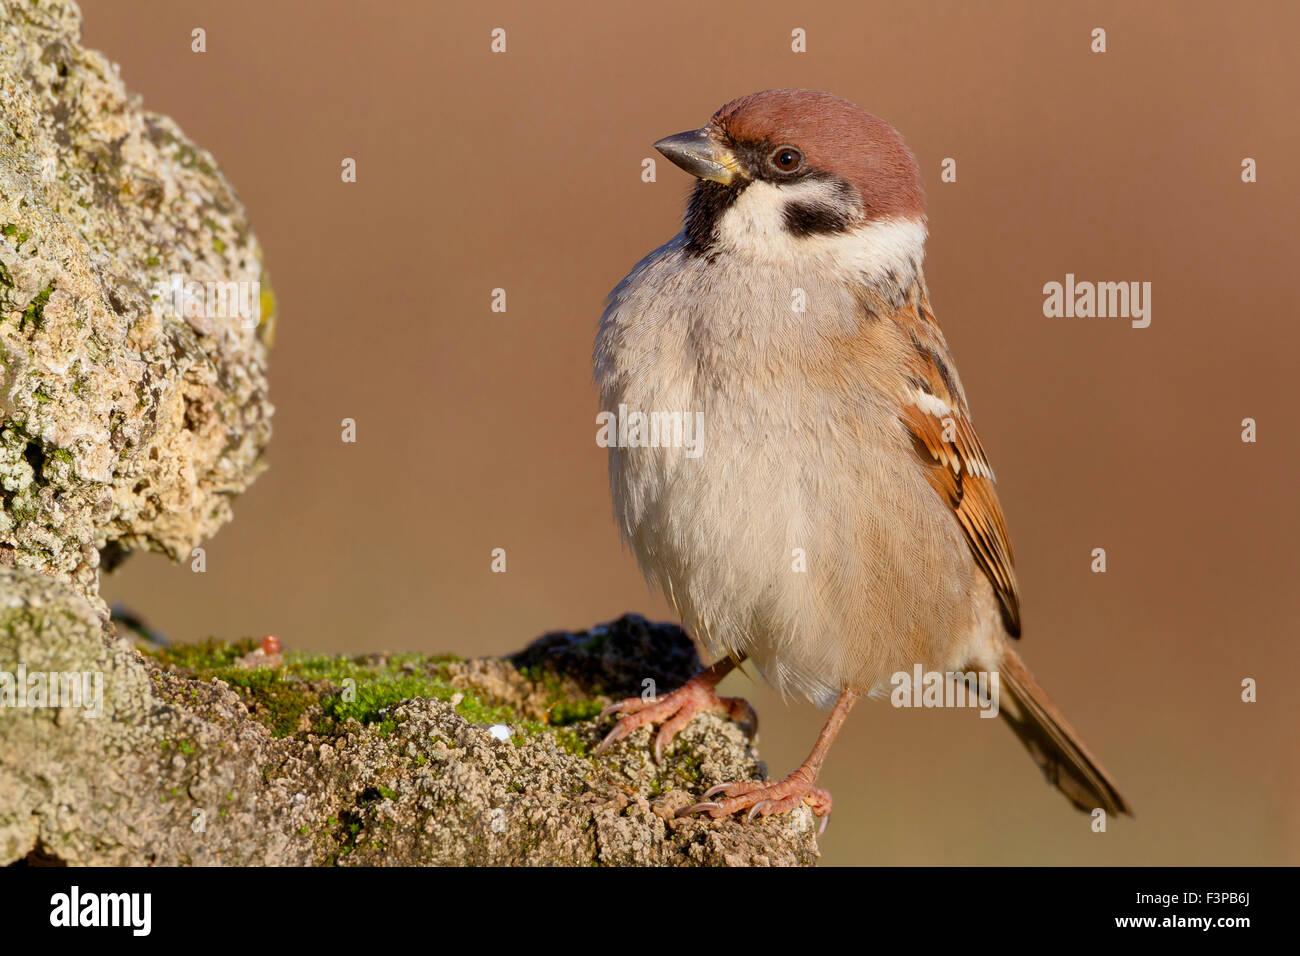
(220, 754)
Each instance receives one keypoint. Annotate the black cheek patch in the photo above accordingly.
(816, 219)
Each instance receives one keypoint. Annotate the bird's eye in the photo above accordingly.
(787, 159)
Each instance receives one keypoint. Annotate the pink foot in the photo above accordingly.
(675, 711)
(764, 799)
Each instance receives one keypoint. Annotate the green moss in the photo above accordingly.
(564, 709)
(280, 703)
(361, 688)
(204, 657)
(189, 157)
(363, 702)
(690, 768)
(10, 231)
(23, 508)
(35, 311)
(568, 739)
(324, 693)
(568, 711)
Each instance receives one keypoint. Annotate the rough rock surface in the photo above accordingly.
(226, 755)
(129, 415)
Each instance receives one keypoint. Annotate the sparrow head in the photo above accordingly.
(798, 173)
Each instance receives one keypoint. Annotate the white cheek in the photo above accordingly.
(754, 227)
(755, 223)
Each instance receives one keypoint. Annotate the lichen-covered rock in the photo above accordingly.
(203, 755)
(134, 318)
(134, 327)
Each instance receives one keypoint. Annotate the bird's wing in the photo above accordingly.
(933, 410)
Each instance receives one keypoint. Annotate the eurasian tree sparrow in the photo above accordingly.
(839, 432)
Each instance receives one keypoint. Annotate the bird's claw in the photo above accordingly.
(673, 711)
(696, 808)
(757, 800)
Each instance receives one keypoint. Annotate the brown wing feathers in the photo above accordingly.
(934, 411)
(936, 415)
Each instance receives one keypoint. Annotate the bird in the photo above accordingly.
(838, 523)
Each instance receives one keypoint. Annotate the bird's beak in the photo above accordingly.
(701, 155)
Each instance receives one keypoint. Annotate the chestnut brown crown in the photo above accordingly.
(835, 137)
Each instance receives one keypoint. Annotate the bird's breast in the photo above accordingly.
(788, 531)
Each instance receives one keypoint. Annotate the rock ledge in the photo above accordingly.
(223, 754)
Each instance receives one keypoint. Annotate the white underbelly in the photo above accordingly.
(802, 535)
(790, 544)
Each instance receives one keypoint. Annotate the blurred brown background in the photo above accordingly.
(476, 430)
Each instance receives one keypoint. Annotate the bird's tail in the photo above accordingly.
(1052, 742)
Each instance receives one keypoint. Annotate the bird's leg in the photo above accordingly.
(697, 696)
(762, 799)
